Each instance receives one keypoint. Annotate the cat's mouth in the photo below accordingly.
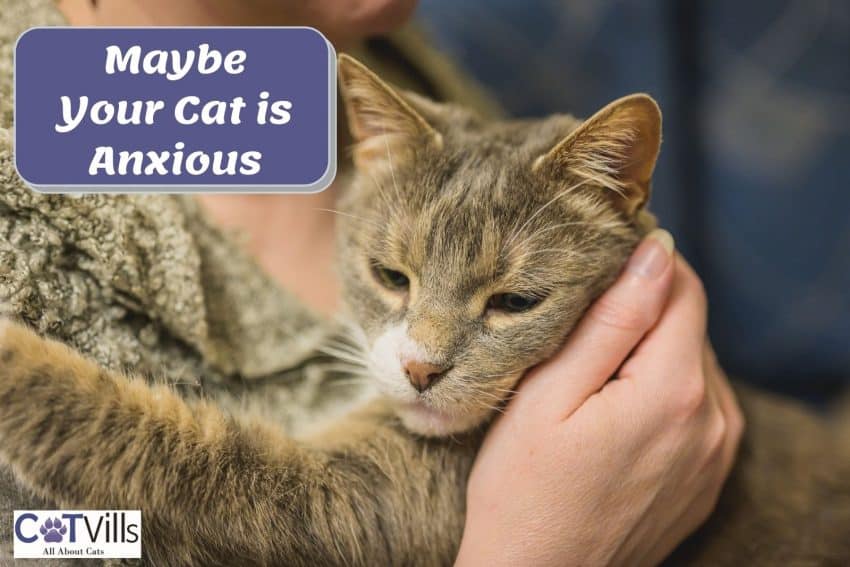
(420, 417)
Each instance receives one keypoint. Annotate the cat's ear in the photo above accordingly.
(384, 125)
(615, 149)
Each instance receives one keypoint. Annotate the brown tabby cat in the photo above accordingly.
(468, 251)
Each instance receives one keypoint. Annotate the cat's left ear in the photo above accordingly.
(384, 125)
(615, 149)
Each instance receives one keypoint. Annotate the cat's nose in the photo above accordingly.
(423, 375)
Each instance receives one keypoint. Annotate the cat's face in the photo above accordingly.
(469, 251)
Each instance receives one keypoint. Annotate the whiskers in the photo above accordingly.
(393, 205)
(489, 401)
(507, 392)
(480, 392)
(392, 202)
(347, 350)
(545, 206)
(543, 230)
(370, 222)
(344, 351)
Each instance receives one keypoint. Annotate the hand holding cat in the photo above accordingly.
(583, 470)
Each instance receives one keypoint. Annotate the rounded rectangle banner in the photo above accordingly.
(175, 109)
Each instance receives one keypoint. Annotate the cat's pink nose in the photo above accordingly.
(422, 375)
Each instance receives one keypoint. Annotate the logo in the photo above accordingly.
(105, 534)
(53, 530)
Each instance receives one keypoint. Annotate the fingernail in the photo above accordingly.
(652, 255)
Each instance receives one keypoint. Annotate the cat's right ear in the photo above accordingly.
(615, 149)
(384, 125)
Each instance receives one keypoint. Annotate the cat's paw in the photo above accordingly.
(53, 530)
(22, 351)
(6, 326)
(10, 335)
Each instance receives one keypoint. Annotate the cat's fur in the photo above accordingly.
(546, 208)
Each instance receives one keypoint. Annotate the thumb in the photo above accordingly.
(607, 333)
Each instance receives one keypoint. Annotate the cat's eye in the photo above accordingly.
(512, 302)
(390, 279)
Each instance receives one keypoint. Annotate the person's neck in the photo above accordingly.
(171, 13)
(195, 13)
(291, 236)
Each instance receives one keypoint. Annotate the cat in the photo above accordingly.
(468, 251)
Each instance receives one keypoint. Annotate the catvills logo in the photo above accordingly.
(108, 534)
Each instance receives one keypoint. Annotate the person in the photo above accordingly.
(547, 485)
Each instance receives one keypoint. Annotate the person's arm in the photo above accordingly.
(583, 470)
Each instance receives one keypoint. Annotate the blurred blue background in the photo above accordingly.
(753, 178)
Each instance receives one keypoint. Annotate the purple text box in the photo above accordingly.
(205, 109)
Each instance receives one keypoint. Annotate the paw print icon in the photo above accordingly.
(53, 530)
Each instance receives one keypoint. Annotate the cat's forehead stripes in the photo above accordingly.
(475, 216)
(460, 232)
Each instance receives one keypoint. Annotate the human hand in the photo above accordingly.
(581, 470)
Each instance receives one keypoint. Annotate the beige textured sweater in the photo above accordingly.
(147, 283)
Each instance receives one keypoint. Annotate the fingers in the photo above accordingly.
(732, 416)
(668, 364)
(615, 323)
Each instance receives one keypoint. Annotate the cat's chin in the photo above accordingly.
(425, 420)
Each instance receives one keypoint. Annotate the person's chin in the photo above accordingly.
(423, 419)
